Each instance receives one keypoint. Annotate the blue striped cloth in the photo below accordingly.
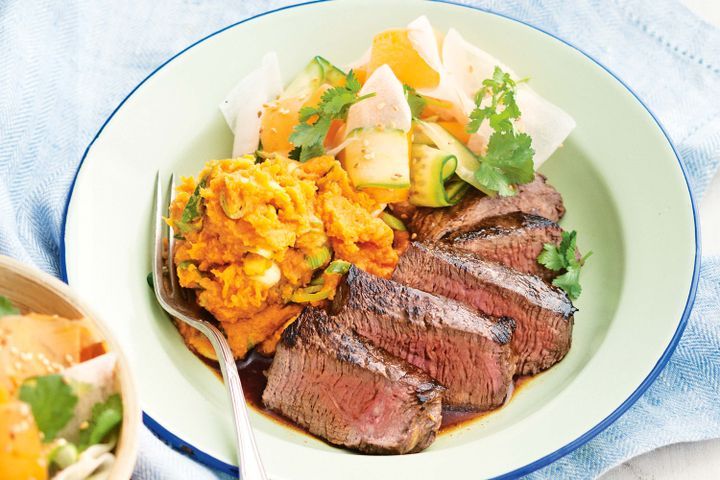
(64, 66)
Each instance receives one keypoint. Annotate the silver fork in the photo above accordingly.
(172, 299)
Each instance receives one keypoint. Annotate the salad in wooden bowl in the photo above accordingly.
(67, 406)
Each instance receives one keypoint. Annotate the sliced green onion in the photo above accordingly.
(63, 455)
(192, 215)
(303, 296)
(338, 266)
(319, 259)
(317, 281)
(184, 264)
(312, 288)
(232, 214)
(393, 222)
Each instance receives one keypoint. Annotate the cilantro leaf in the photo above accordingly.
(570, 282)
(309, 135)
(6, 307)
(352, 83)
(500, 89)
(52, 402)
(192, 213)
(550, 257)
(509, 158)
(508, 162)
(106, 417)
(563, 257)
(416, 102)
(295, 153)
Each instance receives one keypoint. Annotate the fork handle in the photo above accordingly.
(249, 463)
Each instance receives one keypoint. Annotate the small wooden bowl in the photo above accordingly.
(31, 290)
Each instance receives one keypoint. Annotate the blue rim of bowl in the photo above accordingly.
(188, 449)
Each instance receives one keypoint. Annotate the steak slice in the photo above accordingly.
(543, 314)
(537, 198)
(339, 387)
(514, 239)
(465, 351)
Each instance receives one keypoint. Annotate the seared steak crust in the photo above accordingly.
(339, 387)
(536, 197)
(465, 351)
(514, 239)
(543, 313)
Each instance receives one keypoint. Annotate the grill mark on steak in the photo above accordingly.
(536, 198)
(465, 351)
(327, 379)
(514, 239)
(543, 314)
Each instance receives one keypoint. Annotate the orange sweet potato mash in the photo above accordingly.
(253, 234)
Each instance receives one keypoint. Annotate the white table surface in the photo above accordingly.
(699, 460)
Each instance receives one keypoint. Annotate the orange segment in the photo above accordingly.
(277, 123)
(47, 344)
(21, 455)
(437, 109)
(335, 134)
(279, 120)
(456, 129)
(387, 195)
(393, 47)
(361, 74)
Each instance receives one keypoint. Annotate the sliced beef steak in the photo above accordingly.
(543, 313)
(465, 351)
(338, 386)
(514, 239)
(536, 197)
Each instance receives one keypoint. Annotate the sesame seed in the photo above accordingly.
(18, 366)
(19, 427)
(69, 358)
(14, 350)
(84, 425)
(413, 236)
(24, 409)
(396, 108)
(381, 105)
(284, 111)
(26, 356)
(273, 130)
